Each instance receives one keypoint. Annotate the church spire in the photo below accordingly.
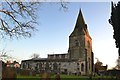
(81, 26)
(80, 20)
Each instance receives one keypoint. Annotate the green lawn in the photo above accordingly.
(64, 77)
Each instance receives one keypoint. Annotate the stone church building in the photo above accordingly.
(78, 60)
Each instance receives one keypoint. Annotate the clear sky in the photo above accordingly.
(56, 25)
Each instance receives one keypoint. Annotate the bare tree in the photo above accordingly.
(117, 65)
(35, 55)
(18, 19)
(98, 64)
(4, 56)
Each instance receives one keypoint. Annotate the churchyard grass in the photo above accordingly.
(65, 77)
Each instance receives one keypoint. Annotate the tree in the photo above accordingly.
(117, 65)
(3, 64)
(35, 56)
(115, 22)
(4, 55)
(98, 64)
(18, 19)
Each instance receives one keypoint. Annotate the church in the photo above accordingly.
(79, 59)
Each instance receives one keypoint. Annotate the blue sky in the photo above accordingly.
(56, 25)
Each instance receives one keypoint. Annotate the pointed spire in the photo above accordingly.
(81, 26)
(80, 20)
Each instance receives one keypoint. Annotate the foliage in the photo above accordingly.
(115, 22)
(117, 65)
(98, 64)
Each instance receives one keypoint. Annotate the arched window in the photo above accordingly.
(82, 67)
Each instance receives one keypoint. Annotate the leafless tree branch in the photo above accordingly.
(18, 19)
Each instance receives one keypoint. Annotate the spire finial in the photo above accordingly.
(80, 10)
(80, 16)
(80, 7)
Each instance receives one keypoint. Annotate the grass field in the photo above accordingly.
(66, 77)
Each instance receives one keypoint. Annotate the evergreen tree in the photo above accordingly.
(115, 22)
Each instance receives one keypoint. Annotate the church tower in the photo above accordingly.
(80, 44)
